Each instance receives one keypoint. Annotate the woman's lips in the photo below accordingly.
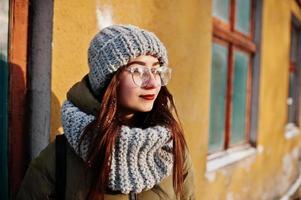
(148, 97)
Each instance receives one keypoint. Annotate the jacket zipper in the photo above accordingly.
(132, 196)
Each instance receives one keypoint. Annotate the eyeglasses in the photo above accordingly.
(142, 74)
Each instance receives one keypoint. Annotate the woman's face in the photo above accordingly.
(137, 93)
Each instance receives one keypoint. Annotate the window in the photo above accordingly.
(294, 75)
(233, 50)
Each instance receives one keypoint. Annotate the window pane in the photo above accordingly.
(293, 96)
(241, 63)
(292, 102)
(218, 96)
(221, 9)
(243, 8)
(294, 44)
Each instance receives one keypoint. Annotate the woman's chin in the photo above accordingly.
(145, 108)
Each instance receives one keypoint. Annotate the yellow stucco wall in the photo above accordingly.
(185, 27)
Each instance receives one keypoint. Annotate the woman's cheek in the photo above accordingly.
(127, 95)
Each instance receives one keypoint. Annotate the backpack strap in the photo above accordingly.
(60, 166)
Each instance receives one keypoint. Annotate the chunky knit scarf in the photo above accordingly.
(141, 158)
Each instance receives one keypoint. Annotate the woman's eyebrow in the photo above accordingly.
(142, 63)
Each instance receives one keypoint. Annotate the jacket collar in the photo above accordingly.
(82, 97)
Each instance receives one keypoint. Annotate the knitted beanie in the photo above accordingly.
(114, 46)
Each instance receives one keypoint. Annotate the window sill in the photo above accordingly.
(228, 157)
(291, 130)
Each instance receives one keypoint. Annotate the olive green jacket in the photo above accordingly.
(39, 181)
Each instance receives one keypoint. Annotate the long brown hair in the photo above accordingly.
(103, 131)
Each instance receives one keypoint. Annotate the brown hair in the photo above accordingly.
(103, 131)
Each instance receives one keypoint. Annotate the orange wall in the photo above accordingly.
(18, 41)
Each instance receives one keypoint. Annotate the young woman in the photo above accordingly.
(123, 141)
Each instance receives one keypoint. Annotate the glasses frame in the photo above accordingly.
(151, 71)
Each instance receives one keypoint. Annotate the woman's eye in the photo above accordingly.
(155, 71)
(137, 71)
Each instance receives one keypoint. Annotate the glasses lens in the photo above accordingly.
(165, 75)
(137, 75)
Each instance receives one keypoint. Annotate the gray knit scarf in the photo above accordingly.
(141, 158)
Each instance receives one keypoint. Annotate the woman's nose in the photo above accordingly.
(150, 82)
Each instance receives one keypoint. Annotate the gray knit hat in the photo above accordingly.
(115, 46)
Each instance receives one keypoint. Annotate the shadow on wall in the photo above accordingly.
(56, 127)
(19, 140)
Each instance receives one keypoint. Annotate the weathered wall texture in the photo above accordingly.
(269, 173)
(186, 29)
